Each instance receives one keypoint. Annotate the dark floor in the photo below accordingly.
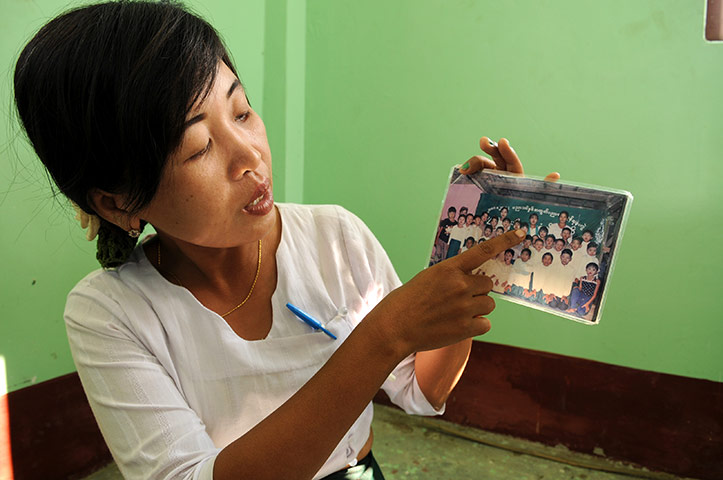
(421, 448)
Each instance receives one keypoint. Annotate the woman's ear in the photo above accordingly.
(111, 207)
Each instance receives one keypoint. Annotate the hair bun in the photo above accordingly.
(114, 245)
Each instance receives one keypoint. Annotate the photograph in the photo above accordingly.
(572, 234)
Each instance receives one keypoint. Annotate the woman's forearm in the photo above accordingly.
(438, 371)
(296, 439)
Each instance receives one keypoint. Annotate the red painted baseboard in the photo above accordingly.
(53, 434)
(663, 422)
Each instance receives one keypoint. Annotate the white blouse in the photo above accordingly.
(171, 384)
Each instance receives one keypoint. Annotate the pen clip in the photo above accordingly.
(309, 320)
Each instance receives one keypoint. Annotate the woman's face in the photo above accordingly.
(216, 188)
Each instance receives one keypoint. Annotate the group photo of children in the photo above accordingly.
(556, 268)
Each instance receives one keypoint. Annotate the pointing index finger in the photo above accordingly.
(477, 255)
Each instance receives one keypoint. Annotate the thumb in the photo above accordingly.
(480, 253)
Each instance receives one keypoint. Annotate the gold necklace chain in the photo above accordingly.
(253, 285)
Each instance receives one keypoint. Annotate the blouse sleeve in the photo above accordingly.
(145, 420)
(375, 277)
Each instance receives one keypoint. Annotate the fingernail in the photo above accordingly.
(492, 143)
(465, 166)
(520, 233)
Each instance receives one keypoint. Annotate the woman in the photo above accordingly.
(191, 363)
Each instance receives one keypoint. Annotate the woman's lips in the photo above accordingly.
(262, 200)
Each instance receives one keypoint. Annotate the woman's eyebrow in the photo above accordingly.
(196, 119)
(235, 84)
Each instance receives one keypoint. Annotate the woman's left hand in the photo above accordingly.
(503, 158)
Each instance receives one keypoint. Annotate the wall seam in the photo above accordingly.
(295, 100)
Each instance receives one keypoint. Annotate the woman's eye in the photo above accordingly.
(202, 152)
(243, 117)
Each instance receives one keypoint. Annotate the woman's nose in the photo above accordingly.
(243, 153)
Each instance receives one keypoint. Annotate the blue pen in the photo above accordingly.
(306, 318)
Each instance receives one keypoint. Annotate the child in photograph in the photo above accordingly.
(436, 256)
(485, 216)
(603, 253)
(587, 237)
(520, 276)
(533, 224)
(506, 224)
(565, 235)
(486, 233)
(577, 252)
(524, 226)
(585, 292)
(526, 243)
(575, 244)
(542, 232)
(445, 226)
(559, 247)
(469, 228)
(468, 243)
(493, 223)
(550, 243)
(542, 276)
(463, 212)
(499, 231)
(477, 230)
(457, 235)
(556, 228)
(559, 289)
(590, 256)
(537, 251)
(501, 271)
(503, 214)
(516, 224)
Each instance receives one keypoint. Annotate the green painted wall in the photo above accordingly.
(370, 103)
(615, 93)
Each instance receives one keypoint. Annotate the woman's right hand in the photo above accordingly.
(443, 304)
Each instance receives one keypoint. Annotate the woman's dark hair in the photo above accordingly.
(103, 92)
